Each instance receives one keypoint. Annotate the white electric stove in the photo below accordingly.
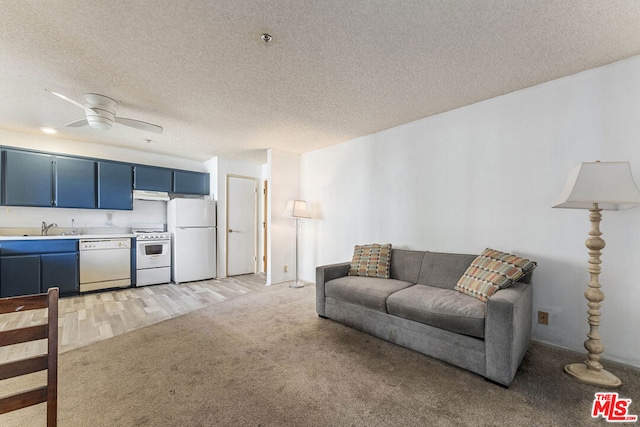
(153, 255)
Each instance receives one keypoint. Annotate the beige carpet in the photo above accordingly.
(266, 359)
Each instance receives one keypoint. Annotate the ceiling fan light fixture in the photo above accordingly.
(99, 122)
(102, 119)
(48, 130)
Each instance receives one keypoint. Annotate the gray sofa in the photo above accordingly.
(418, 308)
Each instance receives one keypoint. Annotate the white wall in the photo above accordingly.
(219, 168)
(85, 220)
(487, 175)
(284, 184)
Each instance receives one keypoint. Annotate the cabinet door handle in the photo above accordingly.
(230, 231)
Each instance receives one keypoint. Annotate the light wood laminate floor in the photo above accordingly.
(93, 317)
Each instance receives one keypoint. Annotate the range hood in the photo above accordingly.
(150, 195)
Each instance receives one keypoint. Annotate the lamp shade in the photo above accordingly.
(297, 209)
(609, 184)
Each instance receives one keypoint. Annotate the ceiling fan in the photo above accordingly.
(100, 113)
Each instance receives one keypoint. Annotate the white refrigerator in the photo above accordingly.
(192, 224)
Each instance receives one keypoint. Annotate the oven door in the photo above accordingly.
(153, 254)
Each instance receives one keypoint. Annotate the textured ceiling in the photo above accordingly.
(335, 69)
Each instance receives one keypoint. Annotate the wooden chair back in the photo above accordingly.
(47, 361)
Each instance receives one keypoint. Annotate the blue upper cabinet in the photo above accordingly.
(186, 182)
(151, 178)
(37, 179)
(154, 178)
(115, 185)
(27, 178)
(75, 183)
(41, 179)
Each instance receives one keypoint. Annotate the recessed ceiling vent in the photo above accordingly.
(266, 38)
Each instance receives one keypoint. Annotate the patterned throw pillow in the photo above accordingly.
(490, 271)
(371, 260)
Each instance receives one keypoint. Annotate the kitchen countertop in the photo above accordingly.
(77, 236)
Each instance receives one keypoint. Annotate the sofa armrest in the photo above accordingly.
(324, 274)
(507, 331)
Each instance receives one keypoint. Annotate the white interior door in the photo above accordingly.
(241, 225)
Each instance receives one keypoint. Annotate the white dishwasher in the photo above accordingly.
(105, 263)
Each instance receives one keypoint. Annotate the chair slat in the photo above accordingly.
(18, 304)
(48, 362)
(22, 400)
(23, 367)
(17, 336)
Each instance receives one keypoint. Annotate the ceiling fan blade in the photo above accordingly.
(66, 98)
(78, 123)
(139, 125)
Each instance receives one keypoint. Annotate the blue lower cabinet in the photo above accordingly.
(19, 275)
(33, 266)
(60, 271)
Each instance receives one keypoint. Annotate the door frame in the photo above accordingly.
(265, 198)
(255, 220)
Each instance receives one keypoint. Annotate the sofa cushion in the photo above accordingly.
(442, 308)
(405, 264)
(371, 260)
(490, 271)
(442, 269)
(371, 292)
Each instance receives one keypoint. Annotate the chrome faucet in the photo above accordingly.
(45, 228)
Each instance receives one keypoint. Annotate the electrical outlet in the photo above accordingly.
(543, 317)
(286, 268)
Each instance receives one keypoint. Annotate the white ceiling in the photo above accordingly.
(335, 69)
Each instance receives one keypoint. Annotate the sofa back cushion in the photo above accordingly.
(405, 264)
(443, 270)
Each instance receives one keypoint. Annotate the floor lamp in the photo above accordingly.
(597, 186)
(297, 209)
